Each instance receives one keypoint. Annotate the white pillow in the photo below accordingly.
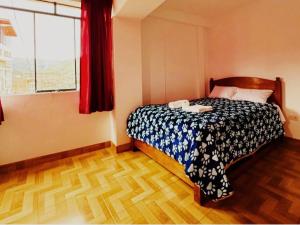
(222, 92)
(253, 95)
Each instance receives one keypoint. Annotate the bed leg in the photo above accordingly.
(135, 149)
(198, 197)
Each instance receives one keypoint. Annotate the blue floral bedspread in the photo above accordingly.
(206, 143)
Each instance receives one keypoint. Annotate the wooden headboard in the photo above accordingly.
(253, 83)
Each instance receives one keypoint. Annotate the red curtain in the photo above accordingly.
(1, 113)
(96, 74)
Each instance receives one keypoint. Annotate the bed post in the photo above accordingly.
(278, 91)
(211, 84)
(198, 197)
(134, 148)
(196, 193)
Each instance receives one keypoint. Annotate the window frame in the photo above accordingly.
(74, 18)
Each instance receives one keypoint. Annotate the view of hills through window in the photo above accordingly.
(38, 52)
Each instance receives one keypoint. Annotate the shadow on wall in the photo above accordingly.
(292, 125)
(293, 121)
(292, 115)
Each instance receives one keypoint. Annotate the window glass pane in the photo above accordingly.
(29, 4)
(68, 11)
(78, 48)
(16, 52)
(55, 53)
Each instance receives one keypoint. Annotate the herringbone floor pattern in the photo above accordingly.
(103, 187)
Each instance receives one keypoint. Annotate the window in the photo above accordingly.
(39, 47)
(16, 52)
(55, 54)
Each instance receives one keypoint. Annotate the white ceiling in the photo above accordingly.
(207, 9)
(135, 8)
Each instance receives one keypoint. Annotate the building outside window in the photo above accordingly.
(39, 47)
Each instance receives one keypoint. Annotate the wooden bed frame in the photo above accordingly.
(242, 82)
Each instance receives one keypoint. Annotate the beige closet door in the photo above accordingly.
(181, 61)
(172, 61)
(153, 52)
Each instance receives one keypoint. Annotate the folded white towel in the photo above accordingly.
(179, 104)
(197, 108)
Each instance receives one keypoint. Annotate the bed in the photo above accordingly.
(200, 147)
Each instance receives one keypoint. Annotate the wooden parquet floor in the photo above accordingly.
(105, 187)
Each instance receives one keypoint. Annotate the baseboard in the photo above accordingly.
(124, 148)
(51, 157)
(292, 140)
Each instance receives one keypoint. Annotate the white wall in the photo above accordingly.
(128, 74)
(261, 39)
(173, 60)
(42, 124)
